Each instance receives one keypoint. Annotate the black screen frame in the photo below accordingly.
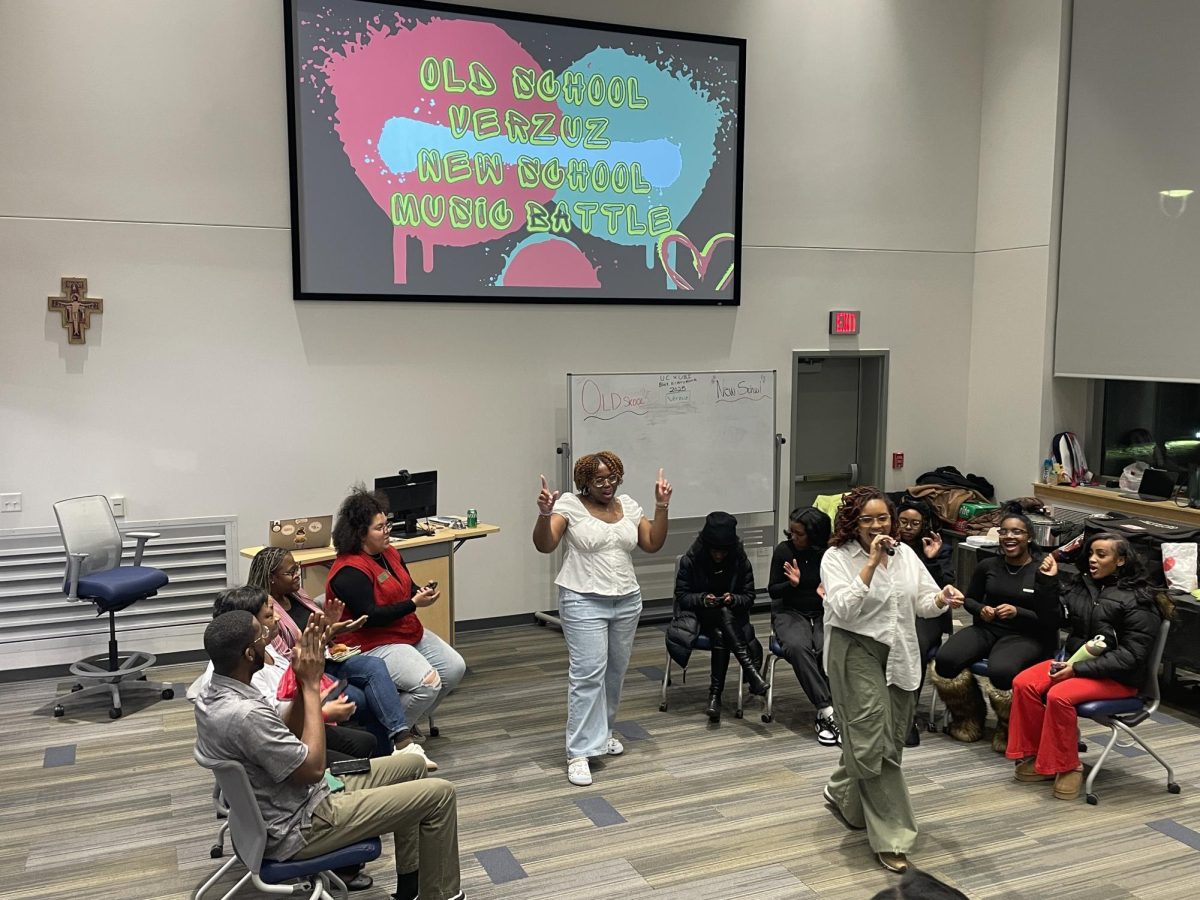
(568, 296)
(390, 485)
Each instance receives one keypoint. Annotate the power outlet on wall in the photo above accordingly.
(10, 502)
(118, 506)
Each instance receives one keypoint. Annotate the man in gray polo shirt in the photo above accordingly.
(286, 770)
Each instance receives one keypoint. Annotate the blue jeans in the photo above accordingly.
(370, 687)
(410, 666)
(599, 632)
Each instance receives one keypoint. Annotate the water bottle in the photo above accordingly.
(1090, 650)
(1047, 471)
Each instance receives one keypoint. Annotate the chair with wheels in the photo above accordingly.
(1121, 717)
(700, 643)
(248, 835)
(94, 574)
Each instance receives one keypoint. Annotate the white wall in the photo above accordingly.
(1014, 405)
(145, 147)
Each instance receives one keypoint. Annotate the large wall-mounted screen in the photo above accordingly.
(451, 153)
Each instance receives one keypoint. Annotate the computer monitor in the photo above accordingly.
(411, 496)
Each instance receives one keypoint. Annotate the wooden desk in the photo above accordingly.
(1110, 500)
(429, 558)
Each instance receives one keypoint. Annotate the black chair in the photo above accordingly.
(94, 574)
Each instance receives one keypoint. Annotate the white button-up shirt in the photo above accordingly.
(884, 610)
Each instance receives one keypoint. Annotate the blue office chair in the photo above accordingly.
(248, 834)
(94, 573)
(1122, 716)
(700, 643)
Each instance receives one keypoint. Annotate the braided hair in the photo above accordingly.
(263, 566)
(586, 466)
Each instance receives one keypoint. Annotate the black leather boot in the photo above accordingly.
(734, 641)
(720, 664)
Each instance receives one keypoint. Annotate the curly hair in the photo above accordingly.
(354, 518)
(816, 525)
(263, 566)
(586, 465)
(845, 529)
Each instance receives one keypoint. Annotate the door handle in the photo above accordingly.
(851, 476)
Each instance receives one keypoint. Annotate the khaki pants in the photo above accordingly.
(395, 796)
(868, 784)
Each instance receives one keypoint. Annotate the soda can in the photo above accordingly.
(472, 518)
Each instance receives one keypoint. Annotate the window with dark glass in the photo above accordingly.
(1157, 422)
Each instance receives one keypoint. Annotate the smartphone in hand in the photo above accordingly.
(431, 586)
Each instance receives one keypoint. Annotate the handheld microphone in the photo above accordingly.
(889, 550)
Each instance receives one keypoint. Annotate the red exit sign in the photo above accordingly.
(843, 321)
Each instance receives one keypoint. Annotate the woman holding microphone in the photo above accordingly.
(875, 586)
(599, 601)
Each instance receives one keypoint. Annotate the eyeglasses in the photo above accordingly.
(874, 520)
(264, 635)
(1012, 532)
(291, 573)
(605, 481)
(908, 524)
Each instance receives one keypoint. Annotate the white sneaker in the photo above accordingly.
(417, 750)
(615, 747)
(579, 772)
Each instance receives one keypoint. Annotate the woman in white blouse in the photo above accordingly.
(873, 586)
(599, 601)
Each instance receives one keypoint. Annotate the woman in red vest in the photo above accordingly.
(370, 578)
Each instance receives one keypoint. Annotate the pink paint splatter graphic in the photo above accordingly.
(551, 263)
(392, 56)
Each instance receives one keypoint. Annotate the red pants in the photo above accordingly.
(1043, 720)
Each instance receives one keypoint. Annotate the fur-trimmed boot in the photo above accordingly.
(964, 703)
(1001, 706)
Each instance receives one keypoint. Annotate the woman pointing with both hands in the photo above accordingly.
(599, 601)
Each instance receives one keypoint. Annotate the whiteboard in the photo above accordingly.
(713, 434)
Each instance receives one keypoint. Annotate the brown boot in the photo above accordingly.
(1002, 706)
(964, 703)
(1067, 784)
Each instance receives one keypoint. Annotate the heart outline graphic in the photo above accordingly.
(700, 258)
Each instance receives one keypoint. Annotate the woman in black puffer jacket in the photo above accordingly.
(1114, 598)
(714, 592)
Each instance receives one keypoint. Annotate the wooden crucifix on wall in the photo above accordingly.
(76, 308)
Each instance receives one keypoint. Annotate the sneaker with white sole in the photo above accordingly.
(614, 747)
(579, 772)
(417, 750)
(828, 734)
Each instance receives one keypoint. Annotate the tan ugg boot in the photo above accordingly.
(964, 703)
(1001, 706)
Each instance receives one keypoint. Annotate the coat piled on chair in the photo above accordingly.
(697, 577)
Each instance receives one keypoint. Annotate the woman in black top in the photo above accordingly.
(714, 592)
(915, 527)
(1015, 624)
(797, 610)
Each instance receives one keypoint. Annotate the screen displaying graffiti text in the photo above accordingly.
(448, 153)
